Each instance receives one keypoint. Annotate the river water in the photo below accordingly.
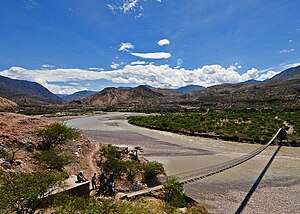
(223, 192)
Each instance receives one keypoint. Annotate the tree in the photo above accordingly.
(56, 133)
(174, 194)
(133, 168)
(10, 153)
(110, 162)
(24, 193)
(113, 168)
(55, 159)
(152, 169)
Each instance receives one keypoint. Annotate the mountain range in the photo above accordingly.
(76, 95)
(282, 89)
(25, 92)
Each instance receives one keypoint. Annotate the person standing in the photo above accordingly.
(94, 181)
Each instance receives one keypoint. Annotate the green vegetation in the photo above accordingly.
(55, 134)
(55, 159)
(23, 193)
(174, 194)
(250, 125)
(111, 164)
(152, 169)
(90, 205)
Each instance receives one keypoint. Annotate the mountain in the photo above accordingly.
(140, 95)
(272, 93)
(288, 74)
(189, 88)
(7, 104)
(25, 92)
(252, 81)
(76, 95)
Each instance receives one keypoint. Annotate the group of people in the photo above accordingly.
(104, 184)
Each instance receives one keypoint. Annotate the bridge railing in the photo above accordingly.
(210, 170)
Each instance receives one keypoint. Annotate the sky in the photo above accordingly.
(74, 45)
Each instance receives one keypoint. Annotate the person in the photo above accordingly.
(102, 187)
(80, 177)
(94, 181)
(111, 186)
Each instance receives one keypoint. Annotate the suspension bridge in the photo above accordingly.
(198, 174)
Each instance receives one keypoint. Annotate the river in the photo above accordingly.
(221, 193)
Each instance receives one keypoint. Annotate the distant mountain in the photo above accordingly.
(76, 95)
(189, 88)
(288, 74)
(272, 93)
(252, 81)
(140, 95)
(25, 92)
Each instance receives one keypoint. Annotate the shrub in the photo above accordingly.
(133, 168)
(55, 134)
(174, 194)
(23, 193)
(55, 159)
(152, 169)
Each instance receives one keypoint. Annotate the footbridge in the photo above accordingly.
(198, 174)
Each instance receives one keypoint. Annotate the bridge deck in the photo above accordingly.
(199, 174)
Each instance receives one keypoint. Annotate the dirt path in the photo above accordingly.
(91, 159)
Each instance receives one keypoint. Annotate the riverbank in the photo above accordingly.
(223, 192)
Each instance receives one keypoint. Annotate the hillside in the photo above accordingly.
(7, 104)
(273, 93)
(288, 74)
(281, 90)
(25, 92)
(76, 95)
(120, 96)
(189, 88)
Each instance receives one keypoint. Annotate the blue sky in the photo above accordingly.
(71, 45)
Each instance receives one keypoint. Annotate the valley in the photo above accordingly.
(222, 193)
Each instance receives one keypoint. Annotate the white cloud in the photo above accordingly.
(129, 5)
(126, 6)
(158, 1)
(30, 4)
(95, 69)
(163, 42)
(284, 51)
(138, 63)
(155, 55)
(112, 8)
(47, 66)
(290, 41)
(114, 65)
(126, 46)
(157, 76)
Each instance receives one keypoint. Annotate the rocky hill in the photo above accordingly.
(7, 104)
(273, 93)
(140, 95)
(288, 74)
(282, 90)
(25, 92)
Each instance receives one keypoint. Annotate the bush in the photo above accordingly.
(174, 193)
(152, 169)
(55, 159)
(23, 193)
(55, 134)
